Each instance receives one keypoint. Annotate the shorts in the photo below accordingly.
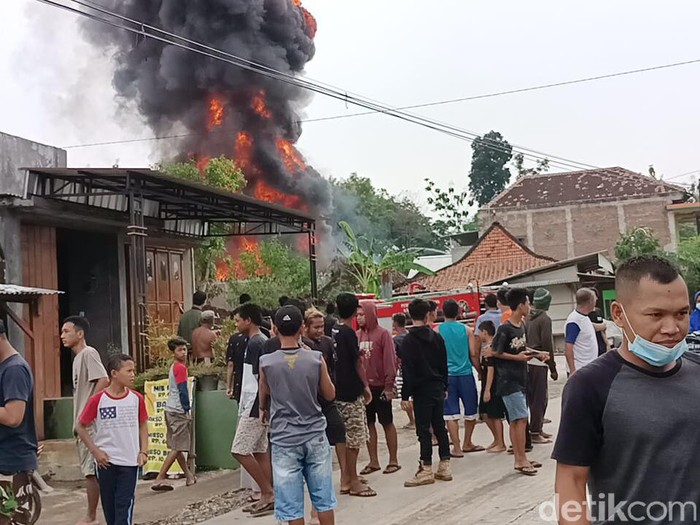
(335, 426)
(179, 427)
(87, 462)
(312, 463)
(355, 419)
(250, 438)
(379, 409)
(516, 406)
(461, 388)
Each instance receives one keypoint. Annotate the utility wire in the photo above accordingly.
(143, 30)
(148, 31)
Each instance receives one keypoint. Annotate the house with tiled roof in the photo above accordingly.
(495, 256)
(565, 215)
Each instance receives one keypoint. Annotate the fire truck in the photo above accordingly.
(470, 300)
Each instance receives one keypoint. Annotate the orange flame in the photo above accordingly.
(202, 163)
(246, 255)
(216, 113)
(297, 2)
(259, 106)
(244, 149)
(265, 193)
(311, 24)
(291, 157)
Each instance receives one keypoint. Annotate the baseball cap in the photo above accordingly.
(288, 320)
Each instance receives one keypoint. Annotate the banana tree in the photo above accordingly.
(370, 269)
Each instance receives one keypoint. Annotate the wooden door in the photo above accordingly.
(165, 288)
(40, 269)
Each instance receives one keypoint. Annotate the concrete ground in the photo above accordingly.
(485, 489)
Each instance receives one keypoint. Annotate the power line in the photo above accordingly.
(147, 31)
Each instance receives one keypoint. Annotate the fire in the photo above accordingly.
(244, 149)
(259, 106)
(202, 163)
(247, 258)
(291, 157)
(263, 192)
(311, 24)
(216, 113)
(297, 3)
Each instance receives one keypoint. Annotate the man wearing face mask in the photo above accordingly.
(630, 426)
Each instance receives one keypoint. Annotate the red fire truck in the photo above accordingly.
(469, 299)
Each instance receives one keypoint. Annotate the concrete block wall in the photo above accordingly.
(579, 229)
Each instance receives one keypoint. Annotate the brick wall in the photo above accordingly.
(574, 230)
(549, 236)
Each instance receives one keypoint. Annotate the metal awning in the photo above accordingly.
(14, 293)
(184, 207)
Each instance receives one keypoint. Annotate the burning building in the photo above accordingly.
(224, 109)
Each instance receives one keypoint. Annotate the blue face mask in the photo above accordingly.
(654, 353)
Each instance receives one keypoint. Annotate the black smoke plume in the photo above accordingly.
(174, 88)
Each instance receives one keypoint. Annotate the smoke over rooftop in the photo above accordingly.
(226, 110)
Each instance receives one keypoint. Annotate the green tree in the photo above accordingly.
(451, 209)
(276, 270)
(638, 241)
(389, 220)
(220, 172)
(542, 166)
(688, 259)
(371, 268)
(489, 174)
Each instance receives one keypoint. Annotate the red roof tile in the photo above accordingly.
(496, 255)
(557, 189)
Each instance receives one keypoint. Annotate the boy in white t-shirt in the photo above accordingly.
(120, 439)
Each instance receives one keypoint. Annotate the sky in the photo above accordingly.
(404, 52)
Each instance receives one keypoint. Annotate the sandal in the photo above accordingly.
(263, 509)
(365, 493)
(162, 487)
(536, 464)
(527, 470)
(391, 469)
(475, 448)
(369, 470)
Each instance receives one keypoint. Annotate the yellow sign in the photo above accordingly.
(156, 395)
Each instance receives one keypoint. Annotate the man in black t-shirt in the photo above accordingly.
(512, 355)
(352, 393)
(630, 426)
(596, 318)
(235, 352)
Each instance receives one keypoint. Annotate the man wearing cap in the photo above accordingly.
(203, 339)
(291, 380)
(539, 337)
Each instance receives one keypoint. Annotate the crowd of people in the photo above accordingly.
(308, 382)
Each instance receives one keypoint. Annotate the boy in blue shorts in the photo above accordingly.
(291, 380)
(462, 354)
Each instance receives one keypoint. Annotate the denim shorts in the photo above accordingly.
(291, 466)
(516, 406)
(461, 388)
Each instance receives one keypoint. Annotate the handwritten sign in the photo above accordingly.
(156, 396)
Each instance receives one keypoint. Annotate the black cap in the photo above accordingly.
(288, 320)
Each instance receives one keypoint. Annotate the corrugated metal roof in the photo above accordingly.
(17, 290)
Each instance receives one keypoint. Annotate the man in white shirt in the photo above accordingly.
(581, 345)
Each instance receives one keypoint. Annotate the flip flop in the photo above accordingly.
(527, 470)
(456, 456)
(250, 508)
(252, 499)
(369, 470)
(391, 469)
(475, 448)
(536, 464)
(264, 509)
(162, 487)
(366, 493)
